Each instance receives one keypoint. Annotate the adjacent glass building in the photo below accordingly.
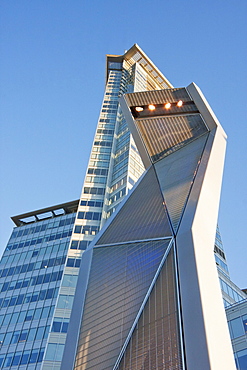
(40, 265)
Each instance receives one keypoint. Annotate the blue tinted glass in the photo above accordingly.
(25, 357)
(16, 358)
(56, 327)
(34, 356)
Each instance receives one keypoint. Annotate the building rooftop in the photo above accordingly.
(46, 213)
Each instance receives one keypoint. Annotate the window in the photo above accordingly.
(65, 301)
(69, 280)
(236, 327)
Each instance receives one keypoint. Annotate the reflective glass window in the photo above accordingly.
(7, 338)
(56, 326)
(50, 353)
(31, 334)
(34, 356)
(8, 360)
(40, 333)
(37, 313)
(16, 358)
(242, 359)
(14, 318)
(45, 312)
(7, 319)
(23, 336)
(237, 327)
(25, 357)
(15, 337)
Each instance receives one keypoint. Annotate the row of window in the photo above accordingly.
(29, 297)
(22, 358)
(92, 203)
(26, 315)
(73, 262)
(35, 229)
(46, 239)
(120, 157)
(228, 290)
(107, 120)
(103, 143)
(32, 266)
(81, 245)
(101, 149)
(118, 184)
(219, 251)
(96, 179)
(221, 263)
(119, 173)
(26, 335)
(35, 280)
(93, 190)
(117, 195)
(87, 230)
(89, 216)
(105, 131)
(97, 171)
(101, 164)
(44, 250)
(101, 157)
(120, 164)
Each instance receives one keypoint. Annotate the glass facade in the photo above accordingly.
(33, 273)
(237, 322)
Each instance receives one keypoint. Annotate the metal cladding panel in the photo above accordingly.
(176, 174)
(157, 97)
(163, 135)
(143, 216)
(155, 341)
(119, 281)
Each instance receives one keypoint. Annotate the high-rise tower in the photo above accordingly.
(36, 296)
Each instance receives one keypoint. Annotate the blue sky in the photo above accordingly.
(52, 73)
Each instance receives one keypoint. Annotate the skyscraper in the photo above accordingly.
(36, 297)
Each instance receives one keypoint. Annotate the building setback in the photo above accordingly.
(40, 265)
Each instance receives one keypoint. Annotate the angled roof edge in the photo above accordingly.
(129, 54)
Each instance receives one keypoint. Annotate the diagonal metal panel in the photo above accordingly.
(163, 135)
(143, 216)
(155, 342)
(176, 173)
(119, 281)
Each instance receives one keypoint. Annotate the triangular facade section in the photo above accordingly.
(176, 174)
(143, 215)
(155, 342)
(120, 279)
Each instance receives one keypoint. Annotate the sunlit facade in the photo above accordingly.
(40, 265)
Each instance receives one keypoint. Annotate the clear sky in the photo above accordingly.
(52, 72)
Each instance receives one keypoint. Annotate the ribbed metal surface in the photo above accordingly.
(119, 280)
(163, 135)
(143, 216)
(155, 342)
(176, 173)
(157, 97)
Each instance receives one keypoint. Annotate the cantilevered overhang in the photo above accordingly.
(162, 121)
(46, 213)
